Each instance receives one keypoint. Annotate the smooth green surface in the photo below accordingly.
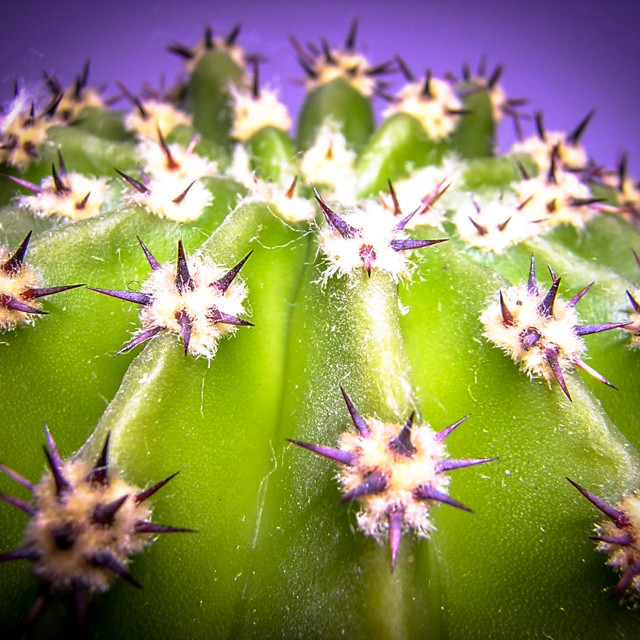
(396, 148)
(208, 95)
(474, 135)
(336, 102)
(272, 154)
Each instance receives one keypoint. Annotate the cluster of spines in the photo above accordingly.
(369, 253)
(549, 343)
(80, 547)
(183, 283)
(323, 64)
(398, 505)
(17, 306)
(620, 539)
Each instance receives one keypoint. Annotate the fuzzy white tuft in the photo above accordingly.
(404, 474)
(161, 199)
(432, 111)
(160, 115)
(253, 114)
(68, 204)
(556, 329)
(168, 301)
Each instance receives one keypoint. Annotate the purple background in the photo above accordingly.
(566, 56)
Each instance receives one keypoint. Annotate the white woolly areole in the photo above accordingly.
(376, 229)
(329, 162)
(240, 167)
(500, 224)
(162, 194)
(253, 114)
(570, 156)
(349, 65)
(14, 285)
(160, 115)
(554, 330)
(292, 208)
(431, 111)
(168, 301)
(19, 133)
(628, 192)
(411, 192)
(498, 102)
(550, 202)
(191, 166)
(68, 204)
(65, 569)
(404, 475)
(624, 556)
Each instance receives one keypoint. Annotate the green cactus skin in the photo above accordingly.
(395, 321)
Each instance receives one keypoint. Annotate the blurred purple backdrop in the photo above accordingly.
(567, 56)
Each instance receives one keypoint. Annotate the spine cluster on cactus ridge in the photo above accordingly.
(194, 299)
(19, 288)
(395, 472)
(85, 523)
(620, 539)
(540, 331)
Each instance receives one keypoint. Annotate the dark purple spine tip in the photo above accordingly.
(153, 263)
(356, 418)
(334, 220)
(401, 444)
(147, 493)
(375, 483)
(441, 435)
(14, 263)
(225, 282)
(532, 282)
(337, 455)
(611, 512)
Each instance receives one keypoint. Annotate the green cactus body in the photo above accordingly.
(293, 335)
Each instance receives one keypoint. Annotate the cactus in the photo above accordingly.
(344, 343)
